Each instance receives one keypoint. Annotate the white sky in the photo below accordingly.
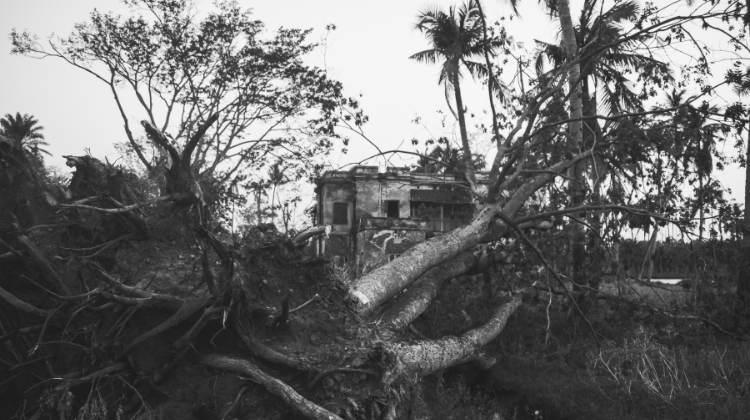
(368, 53)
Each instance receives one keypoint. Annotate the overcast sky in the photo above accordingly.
(368, 53)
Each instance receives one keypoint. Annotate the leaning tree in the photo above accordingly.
(116, 309)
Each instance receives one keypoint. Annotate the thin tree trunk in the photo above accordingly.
(577, 234)
(743, 283)
(491, 76)
(468, 161)
(273, 213)
(701, 215)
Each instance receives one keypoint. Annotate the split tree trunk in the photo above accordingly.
(414, 301)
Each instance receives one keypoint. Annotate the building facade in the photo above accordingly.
(376, 215)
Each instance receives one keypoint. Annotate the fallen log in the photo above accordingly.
(380, 285)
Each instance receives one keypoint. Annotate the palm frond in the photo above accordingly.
(431, 56)
(622, 11)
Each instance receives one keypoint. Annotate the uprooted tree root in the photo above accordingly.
(134, 338)
(126, 304)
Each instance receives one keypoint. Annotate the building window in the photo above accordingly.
(442, 217)
(392, 209)
(392, 257)
(340, 213)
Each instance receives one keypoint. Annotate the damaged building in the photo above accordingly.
(375, 215)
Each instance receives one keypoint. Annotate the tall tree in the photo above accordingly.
(603, 65)
(575, 127)
(183, 67)
(276, 176)
(456, 38)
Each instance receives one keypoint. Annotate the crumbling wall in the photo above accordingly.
(381, 239)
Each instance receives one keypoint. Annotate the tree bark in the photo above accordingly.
(468, 160)
(743, 283)
(413, 302)
(370, 291)
(577, 234)
(425, 357)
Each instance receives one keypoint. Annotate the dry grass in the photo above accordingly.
(712, 382)
(656, 294)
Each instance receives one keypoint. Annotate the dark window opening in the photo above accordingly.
(340, 213)
(392, 257)
(393, 209)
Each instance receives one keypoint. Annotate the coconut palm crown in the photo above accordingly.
(25, 129)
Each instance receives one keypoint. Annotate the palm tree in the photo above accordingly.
(456, 39)
(605, 69)
(276, 176)
(577, 234)
(694, 143)
(25, 129)
(259, 189)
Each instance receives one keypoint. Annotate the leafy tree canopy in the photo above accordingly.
(182, 66)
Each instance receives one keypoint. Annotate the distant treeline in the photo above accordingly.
(675, 259)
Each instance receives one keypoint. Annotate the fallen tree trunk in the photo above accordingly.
(380, 285)
(414, 301)
(426, 357)
(273, 385)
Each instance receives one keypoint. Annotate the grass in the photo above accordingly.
(689, 383)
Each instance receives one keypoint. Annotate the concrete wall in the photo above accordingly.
(370, 237)
(373, 191)
(339, 192)
(339, 244)
(377, 239)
